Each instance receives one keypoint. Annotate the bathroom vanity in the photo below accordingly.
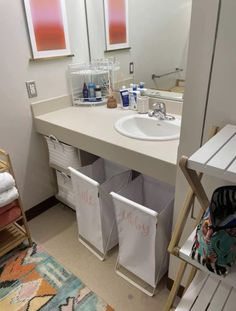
(92, 129)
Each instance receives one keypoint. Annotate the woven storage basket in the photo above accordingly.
(62, 155)
(65, 190)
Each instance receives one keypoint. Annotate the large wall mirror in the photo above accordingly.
(158, 39)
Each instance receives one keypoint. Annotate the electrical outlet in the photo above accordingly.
(131, 67)
(31, 89)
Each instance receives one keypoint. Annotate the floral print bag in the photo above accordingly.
(215, 240)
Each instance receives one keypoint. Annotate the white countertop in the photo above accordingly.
(92, 129)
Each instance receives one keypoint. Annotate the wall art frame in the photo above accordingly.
(48, 28)
(116, 24)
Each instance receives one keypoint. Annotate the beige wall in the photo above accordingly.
(17, 135)
(220, 107)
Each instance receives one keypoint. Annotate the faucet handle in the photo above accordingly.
(160, 106)
(150, 113)
(155, 107)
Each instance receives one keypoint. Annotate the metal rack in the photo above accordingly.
(100, 72)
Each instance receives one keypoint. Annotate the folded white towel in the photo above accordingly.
(8, 196)
(6, 182)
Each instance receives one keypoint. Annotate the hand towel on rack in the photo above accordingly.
(8, 207)
(8, 196)
(6, 182)
(10, 216)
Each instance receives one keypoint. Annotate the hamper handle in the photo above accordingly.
(65, 176)
(54, 140)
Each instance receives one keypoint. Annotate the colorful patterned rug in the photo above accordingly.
(31, 280)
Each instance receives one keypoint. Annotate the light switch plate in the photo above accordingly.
(131, 67)
(31, 89)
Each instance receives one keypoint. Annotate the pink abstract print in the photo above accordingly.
(48, 24)
(117, 21)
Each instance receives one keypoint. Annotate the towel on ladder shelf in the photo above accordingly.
(6, 182)
(7, 207)
(8, 196)
(10, 216)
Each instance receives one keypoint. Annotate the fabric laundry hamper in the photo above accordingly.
(94, 206)
(61, 155)
(144, 219)
(65, 190)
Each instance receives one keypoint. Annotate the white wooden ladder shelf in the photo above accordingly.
(215, 158)
(206, 293)
(218, 156)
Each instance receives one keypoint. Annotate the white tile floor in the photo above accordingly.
(56, 231)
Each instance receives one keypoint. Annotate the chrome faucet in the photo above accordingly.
(159, 111)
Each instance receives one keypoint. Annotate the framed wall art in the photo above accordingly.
(48, 30)
(116, 24)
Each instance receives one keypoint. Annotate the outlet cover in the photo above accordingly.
(31, 89)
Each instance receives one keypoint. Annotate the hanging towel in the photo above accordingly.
(8, 206)
(8, 196)
(10, 216)
(6, 182)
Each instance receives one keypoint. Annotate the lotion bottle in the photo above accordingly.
(124, 94)
(133, 104)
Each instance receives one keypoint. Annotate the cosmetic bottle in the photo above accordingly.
(85, 92)
(141, 88)
(91, 92)
(98, 93)
(132, 101)
(135, 87)
(124, 94)
(136, 94)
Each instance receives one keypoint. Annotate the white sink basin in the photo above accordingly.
(148, 128)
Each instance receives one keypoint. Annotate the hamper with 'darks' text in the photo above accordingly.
(144, 219)
(92, 185)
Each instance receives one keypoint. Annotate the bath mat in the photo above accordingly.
(32, 280)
